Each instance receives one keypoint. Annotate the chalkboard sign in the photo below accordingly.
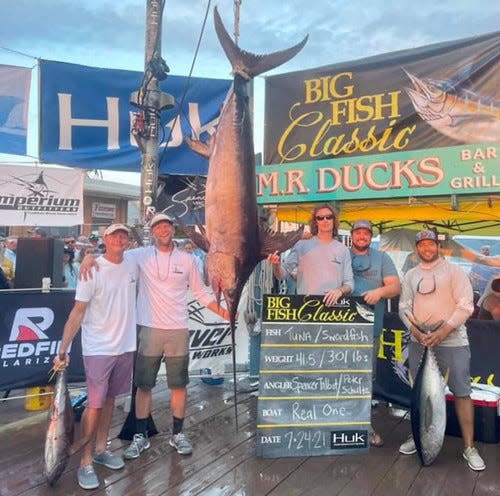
(315, 376)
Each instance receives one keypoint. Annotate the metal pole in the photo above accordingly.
(150, 101)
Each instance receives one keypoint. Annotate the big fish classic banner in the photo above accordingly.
(417, 122)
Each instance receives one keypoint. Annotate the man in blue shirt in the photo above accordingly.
(375, 280)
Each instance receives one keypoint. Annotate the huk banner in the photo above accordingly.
(14, 96)
(417, 122)
(87, 117)
(40, 196)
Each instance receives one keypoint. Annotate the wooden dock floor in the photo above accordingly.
(224, 460)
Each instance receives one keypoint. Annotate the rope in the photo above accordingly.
(24, 396)
(236, 8)
(186, 87)
(262, 286)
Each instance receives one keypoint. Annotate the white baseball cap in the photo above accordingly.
(116, 227)
(160, 218)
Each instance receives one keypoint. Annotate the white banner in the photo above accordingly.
(40, 196)
(210, 339)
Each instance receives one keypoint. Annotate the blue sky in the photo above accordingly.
(107, 33)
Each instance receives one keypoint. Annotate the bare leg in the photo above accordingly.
(143, 402)
(104, 424)
(465, 415)
(90, 419)
(178, 398)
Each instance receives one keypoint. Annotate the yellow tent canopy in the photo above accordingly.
(462, 214)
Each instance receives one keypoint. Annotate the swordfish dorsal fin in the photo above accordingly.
(247, 64)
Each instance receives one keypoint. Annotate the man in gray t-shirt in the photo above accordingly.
(323, 264)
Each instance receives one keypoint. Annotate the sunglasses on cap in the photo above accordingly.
(324, 217)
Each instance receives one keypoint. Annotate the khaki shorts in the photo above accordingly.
(155, 345)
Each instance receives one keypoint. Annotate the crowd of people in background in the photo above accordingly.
(75, 249)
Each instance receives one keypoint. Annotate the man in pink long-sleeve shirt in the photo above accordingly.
(432, 292)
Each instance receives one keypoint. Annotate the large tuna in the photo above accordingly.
(234, 240)
(428, 405)
(60, 430)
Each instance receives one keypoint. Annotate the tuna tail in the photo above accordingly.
(247, 64)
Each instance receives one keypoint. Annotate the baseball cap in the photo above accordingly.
(93, 237)
(362, 224)
(116, 227)
(427, 234)
(160, 218)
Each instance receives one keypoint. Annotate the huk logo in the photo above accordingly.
(29, 344)
(349, 439)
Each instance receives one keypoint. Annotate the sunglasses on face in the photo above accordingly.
(324, 217)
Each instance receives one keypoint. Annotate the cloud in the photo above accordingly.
(112, 34)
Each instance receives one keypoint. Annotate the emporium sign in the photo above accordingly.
(438, 171)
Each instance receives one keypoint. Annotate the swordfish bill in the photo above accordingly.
(234, 240)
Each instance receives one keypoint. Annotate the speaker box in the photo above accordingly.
(37, 258)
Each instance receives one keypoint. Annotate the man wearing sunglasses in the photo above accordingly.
(438, 291)
(375, 279)
(322, 263)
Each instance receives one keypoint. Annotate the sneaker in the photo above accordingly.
(408, 447)
(181, 444)
(108, 460)
(137, 446)
(87, 479)
(474, 459)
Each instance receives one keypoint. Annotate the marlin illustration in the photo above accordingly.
(37, 188)
(453, 111)
(234, 240)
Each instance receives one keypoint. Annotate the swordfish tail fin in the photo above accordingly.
(247, 64)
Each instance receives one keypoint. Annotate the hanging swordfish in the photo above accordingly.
(234, 240)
